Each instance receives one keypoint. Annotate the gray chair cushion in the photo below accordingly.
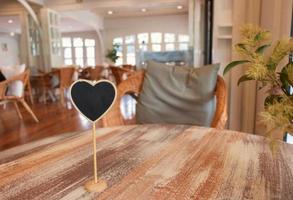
(181, 95)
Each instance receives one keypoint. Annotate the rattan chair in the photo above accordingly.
(24, 77)
(134, 85)
(119, 73)
(129, 67)
(65, 75)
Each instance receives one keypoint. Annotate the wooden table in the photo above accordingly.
(150, 162)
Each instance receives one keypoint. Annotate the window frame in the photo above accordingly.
(149, 43)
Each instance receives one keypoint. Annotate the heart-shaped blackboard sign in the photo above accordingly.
(93, 99)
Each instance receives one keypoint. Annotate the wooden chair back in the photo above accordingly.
(118, 73)
(23, 77)
(66, 76)
(133, 85)
(129, 67)
(96, 73)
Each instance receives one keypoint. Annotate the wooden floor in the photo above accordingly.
(54, 119)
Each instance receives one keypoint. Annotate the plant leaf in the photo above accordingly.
(257, 37)
(261, 49)
(241, 45)
(244, 78)
(233, 64)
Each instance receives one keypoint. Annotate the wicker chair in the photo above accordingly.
(24, 77)
(65, 75)
(129, 67)
(118, 73)
(134, 85)
(91, 73)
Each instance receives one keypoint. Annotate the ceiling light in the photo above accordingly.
(12, 34)
(10, 21)
(179, 7)
(110, 12)
(143, 10)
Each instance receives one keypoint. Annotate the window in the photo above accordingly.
(119, 41)
(90, 52)
(79, 51)
(130, 49)
(143, 40)
(183, 42)
(156, 39)
(169, 41)
(67, 51)
(129, 45)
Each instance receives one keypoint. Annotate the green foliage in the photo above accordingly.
(263, 67)
(244, 78)
(112, 53)
(261, 49)
(234, 64)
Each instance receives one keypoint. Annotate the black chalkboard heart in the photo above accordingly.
(93, 99)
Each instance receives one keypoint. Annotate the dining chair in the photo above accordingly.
(66, 78)
(96, 72)
(4, 86)
(28, 90)
(128, 66)
(120, 73)
(133, 85)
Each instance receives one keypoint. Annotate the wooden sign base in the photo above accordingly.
(100, 186)
(96, 185)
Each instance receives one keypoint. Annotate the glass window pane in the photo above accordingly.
(183, 38)
(169, 37)
(68, 61)
(67, 53)
(130, 56)
(183, 46)
(130, 49)
(119, 61)
(90, 52)
(79, 52)
(130, 39)
(118, 40)
(79, 61)
(156, 47)
(130, 59)
(170, 47)
(143, 47)
(66, 42)
(77, 42)
(119, 54)
(143, 38)
(119, 48)
(156, 37)
(91, 62)
(89, 42)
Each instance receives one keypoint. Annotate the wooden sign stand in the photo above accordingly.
(96, 185)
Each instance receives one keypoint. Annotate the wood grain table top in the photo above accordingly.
(150, 162)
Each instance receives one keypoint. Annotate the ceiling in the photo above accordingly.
(6, 27)
(68, 24)
(121, 8)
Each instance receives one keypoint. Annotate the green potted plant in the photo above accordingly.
(112, 53)
(266, 68)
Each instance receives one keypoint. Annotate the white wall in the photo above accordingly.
(125, 26)
(11, 56)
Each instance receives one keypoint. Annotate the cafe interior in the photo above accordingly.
(201, 105)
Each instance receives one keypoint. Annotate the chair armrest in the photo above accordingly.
(220, 116)
(131, 85)
(4, 84)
